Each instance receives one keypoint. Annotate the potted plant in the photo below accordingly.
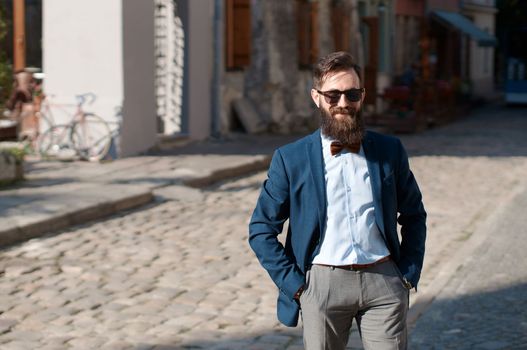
(11, 162)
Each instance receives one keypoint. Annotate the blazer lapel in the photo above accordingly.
(372, 158)
(316, 163)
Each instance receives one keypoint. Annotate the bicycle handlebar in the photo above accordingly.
(83, 98)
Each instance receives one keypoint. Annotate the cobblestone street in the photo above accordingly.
(176, 273)
(483, 306)
(179, 274)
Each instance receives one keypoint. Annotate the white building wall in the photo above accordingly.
(84, 52)
(482, 58)
(170, 59)
(481, 72)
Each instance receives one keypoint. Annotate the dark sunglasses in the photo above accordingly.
(333, 96)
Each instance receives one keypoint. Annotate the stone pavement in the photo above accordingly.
(178, 272)
(60, 194)
(483, 305)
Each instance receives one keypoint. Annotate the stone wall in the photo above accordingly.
(273, 63)
(274, 86)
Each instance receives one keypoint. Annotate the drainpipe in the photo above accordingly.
(216, 69)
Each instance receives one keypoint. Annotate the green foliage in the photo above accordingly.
(3, 23)
(6, 69)
(14, 151)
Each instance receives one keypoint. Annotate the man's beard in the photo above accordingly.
(348, 130)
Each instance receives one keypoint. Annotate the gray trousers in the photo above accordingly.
(375, 297)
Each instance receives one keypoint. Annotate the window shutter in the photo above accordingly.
(307, 32)
(341, 22)
(238, 33)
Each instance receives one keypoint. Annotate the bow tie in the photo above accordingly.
(336, 147)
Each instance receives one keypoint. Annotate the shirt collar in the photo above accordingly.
(326, 145)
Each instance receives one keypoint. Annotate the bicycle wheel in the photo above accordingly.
(56, 143)
(91, 137)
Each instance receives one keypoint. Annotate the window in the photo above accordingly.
(238, 33)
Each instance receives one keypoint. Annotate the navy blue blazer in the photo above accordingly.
(295, 190)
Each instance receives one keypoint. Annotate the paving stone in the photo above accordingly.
(23, 334)
(191, 298)
(166, 331)
(16, 271)
(87, 343)
(116, 345)
(6, 325)
(22, 310)
(56, 342)
(21, 345)
(61, 321)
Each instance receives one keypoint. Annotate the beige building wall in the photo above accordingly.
(482, 58)
(406, 43)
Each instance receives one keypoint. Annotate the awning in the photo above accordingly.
(464, 25)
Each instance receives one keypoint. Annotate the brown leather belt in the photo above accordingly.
(358, 266)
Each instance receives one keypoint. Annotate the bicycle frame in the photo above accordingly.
(47, 107)
(87, 134)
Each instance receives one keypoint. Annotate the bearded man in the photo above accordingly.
(343, 190)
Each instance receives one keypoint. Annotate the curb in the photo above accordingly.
(36, 229)
(228, 173)
(19, 234)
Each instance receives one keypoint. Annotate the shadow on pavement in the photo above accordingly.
(234, 144)
(273, 340)
(492, 131)
(489, 320)
(495, 131)
(41, 182)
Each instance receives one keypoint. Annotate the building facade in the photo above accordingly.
(481, 72)
(167, 69)
(462, 43)
(113, 61)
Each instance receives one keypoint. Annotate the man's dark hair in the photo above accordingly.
(332, 63)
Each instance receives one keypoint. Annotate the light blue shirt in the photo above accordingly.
(351, 236)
